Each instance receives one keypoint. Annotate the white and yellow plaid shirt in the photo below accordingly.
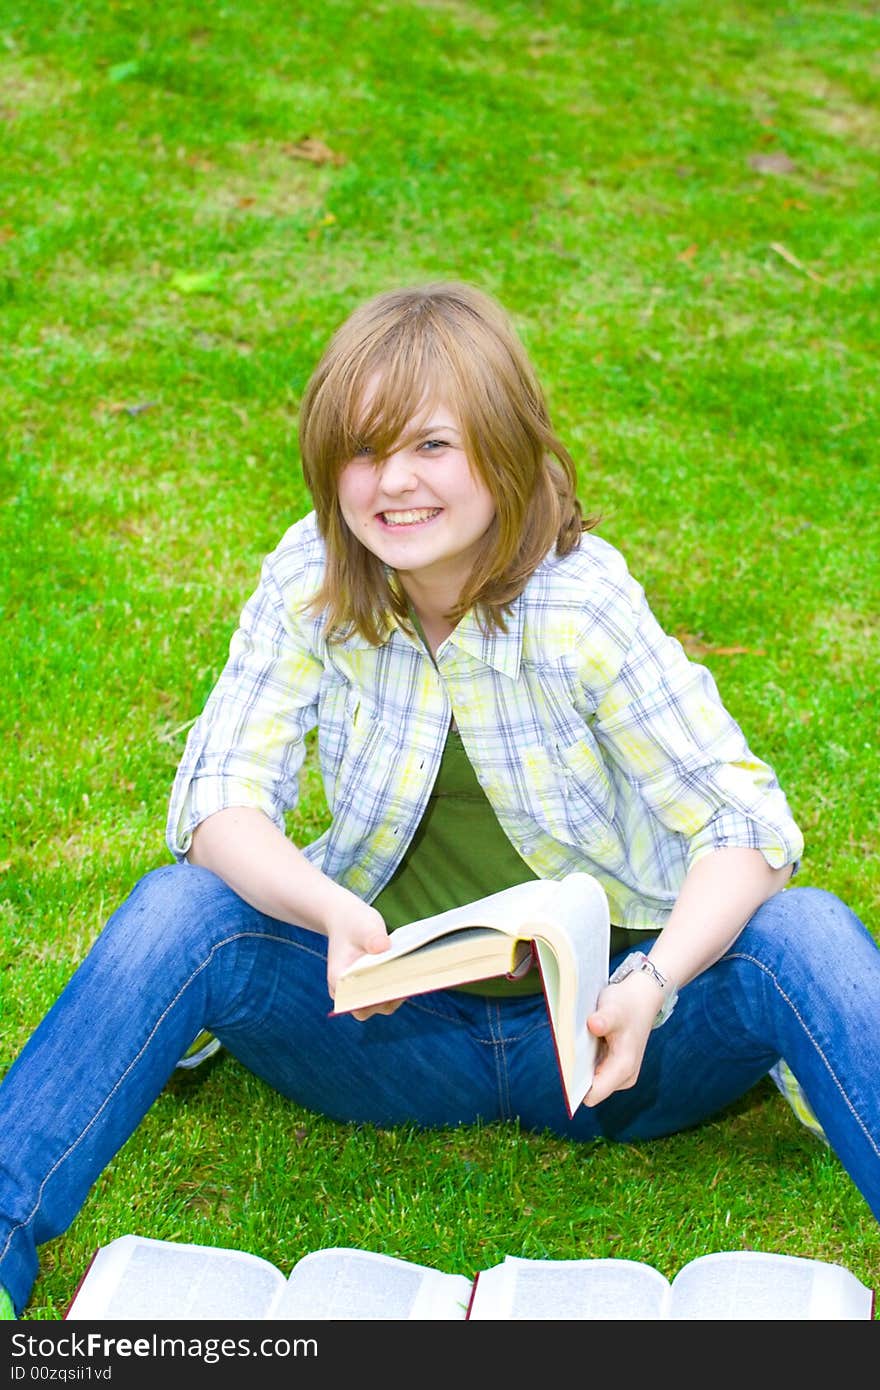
(599, 745)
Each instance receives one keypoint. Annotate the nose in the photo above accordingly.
(398, 473)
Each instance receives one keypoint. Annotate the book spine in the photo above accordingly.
(553, 1034)
(80, 1284)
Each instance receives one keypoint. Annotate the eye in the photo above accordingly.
(430, 446)
(362, 451)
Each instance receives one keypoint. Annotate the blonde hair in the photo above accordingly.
(446, 341)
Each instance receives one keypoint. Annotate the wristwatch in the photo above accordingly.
(638, 961)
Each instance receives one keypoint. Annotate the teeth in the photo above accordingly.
(408, 518)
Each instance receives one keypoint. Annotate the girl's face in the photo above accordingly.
(422, 510)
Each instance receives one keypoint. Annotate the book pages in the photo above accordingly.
(135, 1277)
(553, 1290)
(340, 1283)
(749, 1284)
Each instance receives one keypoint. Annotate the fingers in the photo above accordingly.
(619, 1055)
(599, 1024)
(388, 1008)
(350, 940)
(610, 1076)
(377, 942)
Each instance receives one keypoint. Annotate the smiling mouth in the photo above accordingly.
(410, 518)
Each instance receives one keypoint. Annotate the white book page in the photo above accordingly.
(351, 1284)
(752, 1285)
(555, 1290)
(136, 1277)
(504, 911)
(574, 968)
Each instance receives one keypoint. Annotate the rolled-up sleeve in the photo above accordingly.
(661, 720)
(247, 746)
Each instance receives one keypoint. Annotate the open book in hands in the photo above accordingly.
(137, 1278)
(563, 924)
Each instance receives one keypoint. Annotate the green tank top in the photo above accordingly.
(459, 853)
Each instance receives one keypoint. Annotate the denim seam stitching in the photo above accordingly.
(742, 955)
(239, 936)
(496, 1035)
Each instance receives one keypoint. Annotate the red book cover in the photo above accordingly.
(472, 1297)
(80, 1284)
(552, 1032)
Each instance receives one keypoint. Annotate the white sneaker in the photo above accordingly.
(786, 1081)
(199, 1050)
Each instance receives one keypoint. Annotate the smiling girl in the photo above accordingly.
(494, 702)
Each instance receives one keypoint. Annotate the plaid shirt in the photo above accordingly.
(599, 745)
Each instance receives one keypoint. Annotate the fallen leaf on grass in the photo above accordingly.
(787, 255)
(557, 248)
(170, 734)
(696, 645)
(688, 253)
(313, 150)
(737, 651)
(120, 72)
(314, 232)
(195, 281)
(774, 163)
(127, 408)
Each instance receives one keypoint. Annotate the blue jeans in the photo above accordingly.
(184, 952)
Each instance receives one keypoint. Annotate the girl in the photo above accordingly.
(494, 701)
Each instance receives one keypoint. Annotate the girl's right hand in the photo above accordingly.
(359, 929)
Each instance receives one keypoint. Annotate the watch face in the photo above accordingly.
(649, 968)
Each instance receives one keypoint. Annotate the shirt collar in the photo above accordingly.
(500, 650)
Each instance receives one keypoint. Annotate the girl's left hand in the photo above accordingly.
(622, 1020)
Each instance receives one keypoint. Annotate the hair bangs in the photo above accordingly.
(392, 393)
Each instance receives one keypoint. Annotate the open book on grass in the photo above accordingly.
(138, 1278)
(563, 924)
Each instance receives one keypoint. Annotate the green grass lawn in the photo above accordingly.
(679, 204)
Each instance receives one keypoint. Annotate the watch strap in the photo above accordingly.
(638, 961)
